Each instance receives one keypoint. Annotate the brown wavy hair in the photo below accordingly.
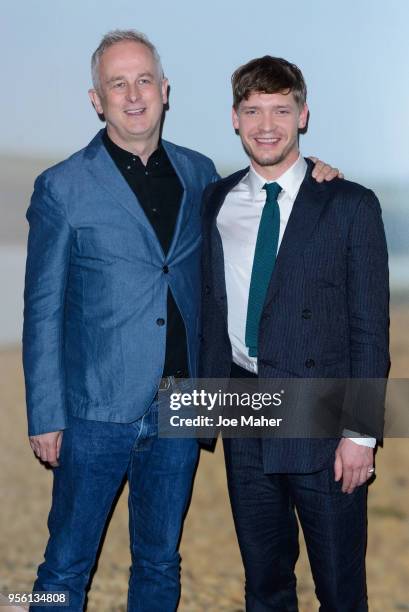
(268, 75)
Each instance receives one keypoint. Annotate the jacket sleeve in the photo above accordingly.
(47, 266)
(368, 313)
(368, 292)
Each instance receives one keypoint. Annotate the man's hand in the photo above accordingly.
(47, 446)
(352, 462)
(324, 172)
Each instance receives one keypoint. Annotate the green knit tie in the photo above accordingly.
(263, 264)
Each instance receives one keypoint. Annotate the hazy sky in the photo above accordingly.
(354, 55)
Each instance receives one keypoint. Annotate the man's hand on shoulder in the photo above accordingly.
(352, 464)
(47, 446)
(324, 172)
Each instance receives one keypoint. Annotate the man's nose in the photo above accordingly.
(267, 123)
(133, 92)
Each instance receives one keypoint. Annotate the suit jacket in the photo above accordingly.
(96, 290)
(326, 309)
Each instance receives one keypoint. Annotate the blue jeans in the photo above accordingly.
(95, 458)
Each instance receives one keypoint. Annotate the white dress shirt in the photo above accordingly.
(238, 222)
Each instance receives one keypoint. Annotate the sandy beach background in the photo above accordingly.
(212, 577)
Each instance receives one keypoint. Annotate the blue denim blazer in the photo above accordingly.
(95, 289)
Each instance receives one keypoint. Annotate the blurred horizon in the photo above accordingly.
(17, 175)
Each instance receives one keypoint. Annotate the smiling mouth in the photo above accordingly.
(135, 112)
(267, 141)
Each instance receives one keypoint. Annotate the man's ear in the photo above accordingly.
(303, 118)
(96, 101)
(165, 90)
(235, 118)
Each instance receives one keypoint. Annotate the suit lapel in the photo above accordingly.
(307, 209)
(217, 255)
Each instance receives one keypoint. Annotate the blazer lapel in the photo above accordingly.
(183, 171)
(307, 209)
(105, 172)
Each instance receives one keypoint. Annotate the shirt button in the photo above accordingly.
(160, 322)
(146, 172)
(154, 210)
(310, 363)
(306, 313)
(165, 269)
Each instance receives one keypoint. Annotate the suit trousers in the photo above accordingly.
(95, 458)
(264, 510)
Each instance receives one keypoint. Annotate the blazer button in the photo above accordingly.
(165, 269)
(207, 290)
(160, 322)
(306, 313)
(310, 363)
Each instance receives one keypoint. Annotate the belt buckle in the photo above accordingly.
(165, 383)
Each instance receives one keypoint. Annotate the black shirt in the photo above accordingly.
(159, 192)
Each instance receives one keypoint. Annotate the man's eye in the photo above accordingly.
(250, 112)
(144, 81)
(119, 85)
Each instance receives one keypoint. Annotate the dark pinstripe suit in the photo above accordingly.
(325, 316)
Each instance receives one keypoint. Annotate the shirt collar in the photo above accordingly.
(290, 181)
(124, 157)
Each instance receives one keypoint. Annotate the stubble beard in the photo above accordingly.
(273, 160)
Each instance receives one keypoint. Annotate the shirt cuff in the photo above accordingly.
(362, 441)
